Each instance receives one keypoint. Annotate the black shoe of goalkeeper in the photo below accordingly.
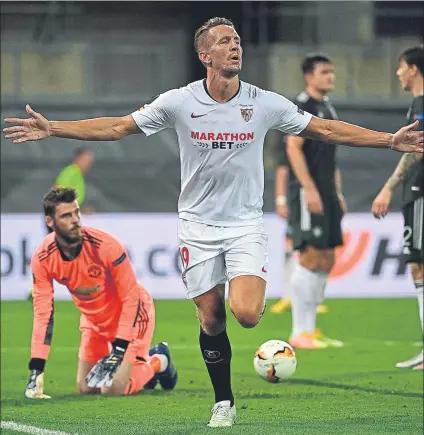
(167, 379)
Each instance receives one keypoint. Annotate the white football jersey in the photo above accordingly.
(221, 147)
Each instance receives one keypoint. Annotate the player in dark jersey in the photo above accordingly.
(282, 209)
(316, 207)
(410, 173)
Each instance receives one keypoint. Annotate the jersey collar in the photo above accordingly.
(210, 96)
(62, 254)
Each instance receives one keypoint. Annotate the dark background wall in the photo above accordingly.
(74, 60)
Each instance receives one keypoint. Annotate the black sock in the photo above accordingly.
(216, 351)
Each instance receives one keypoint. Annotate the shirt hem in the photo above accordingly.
(239, 223)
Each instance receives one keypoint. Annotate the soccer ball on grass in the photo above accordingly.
(274, 361)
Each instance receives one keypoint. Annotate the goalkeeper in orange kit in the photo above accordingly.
(117, 313)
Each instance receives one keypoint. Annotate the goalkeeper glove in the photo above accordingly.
(101, 375)
(35, 386)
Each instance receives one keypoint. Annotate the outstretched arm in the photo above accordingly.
(150, 118)
(37, 127)
(339, 132)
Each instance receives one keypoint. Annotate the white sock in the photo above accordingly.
(289, 264)
(307, 293)
(420, 288)
(163, 361)
(318, 284)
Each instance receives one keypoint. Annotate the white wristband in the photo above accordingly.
(280, 200)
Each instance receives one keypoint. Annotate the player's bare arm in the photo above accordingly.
(281, 176)
(42, 328)
(339, 132)
(380, 205)
(400, 174)
(338, 182)
(37, 127)
(300, 168)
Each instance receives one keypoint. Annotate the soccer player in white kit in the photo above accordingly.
(221, 123)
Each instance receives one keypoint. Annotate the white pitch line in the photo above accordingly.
(33, 430)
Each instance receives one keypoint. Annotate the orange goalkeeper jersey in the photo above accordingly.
(101, 281)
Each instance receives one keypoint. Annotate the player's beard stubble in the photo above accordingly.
(70, 237)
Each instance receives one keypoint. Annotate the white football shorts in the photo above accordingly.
(212, 255)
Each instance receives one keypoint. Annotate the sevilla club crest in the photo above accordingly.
(246, 113)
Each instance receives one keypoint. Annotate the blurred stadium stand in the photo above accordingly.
(74, 60)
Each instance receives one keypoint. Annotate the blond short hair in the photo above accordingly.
(201, 32)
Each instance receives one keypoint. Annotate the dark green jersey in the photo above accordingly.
(413, 186)
(320, 157)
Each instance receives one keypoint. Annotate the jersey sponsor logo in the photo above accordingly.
(246, 113)
(84, 291)
(223, 141)
(197, 116)
(234, 137)
(94, 271)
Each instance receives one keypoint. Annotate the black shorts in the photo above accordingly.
(413, 231)
(319, 231)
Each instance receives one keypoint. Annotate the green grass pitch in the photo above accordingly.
(355, 390)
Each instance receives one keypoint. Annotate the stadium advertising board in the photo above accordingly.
(369, 265)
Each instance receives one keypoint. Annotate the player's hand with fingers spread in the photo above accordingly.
(313, 200)
(380, 205)
(35, 387)
(34, 128)
(407, 140)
